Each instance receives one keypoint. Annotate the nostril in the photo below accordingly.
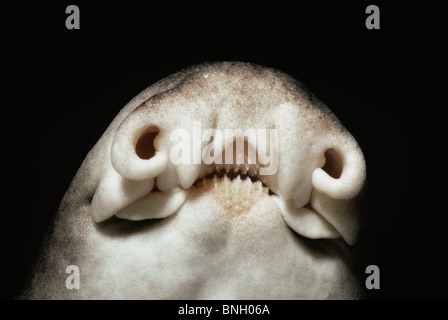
(333, 163)
(144, 148)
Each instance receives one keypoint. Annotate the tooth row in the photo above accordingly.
(289, 182)
(245, 168)
(238, 185)
(236, 196)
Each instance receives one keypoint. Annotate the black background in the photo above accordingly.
(61, 89)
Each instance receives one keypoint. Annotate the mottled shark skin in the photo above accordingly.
(140, 226)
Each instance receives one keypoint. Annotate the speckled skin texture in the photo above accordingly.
(290, 243)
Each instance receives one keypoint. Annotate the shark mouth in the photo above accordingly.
(319, 171)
